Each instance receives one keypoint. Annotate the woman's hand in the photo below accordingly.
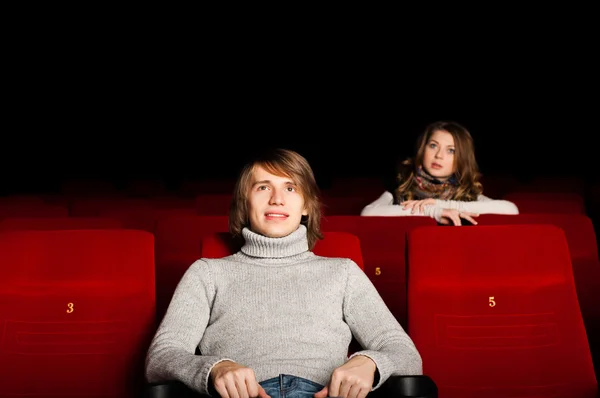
(417, 206)
(454, 216)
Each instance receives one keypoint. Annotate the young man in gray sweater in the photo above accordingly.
(274, 319)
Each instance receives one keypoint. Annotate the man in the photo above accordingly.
(274, 319)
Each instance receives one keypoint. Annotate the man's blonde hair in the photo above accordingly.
(283, 163)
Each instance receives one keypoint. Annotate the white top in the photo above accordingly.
(384, 206)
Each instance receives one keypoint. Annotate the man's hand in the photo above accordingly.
(232, 380)
(354, 379)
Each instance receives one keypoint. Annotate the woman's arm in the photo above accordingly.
(483, 205)
(384, 206)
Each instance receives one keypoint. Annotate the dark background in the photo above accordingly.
(127, 102)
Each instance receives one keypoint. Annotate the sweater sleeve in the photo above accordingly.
(384, 206)
(377, 330)
(483, 205)
(171, 355)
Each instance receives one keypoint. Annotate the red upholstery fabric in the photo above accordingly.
(213, 204)
(193, 187)
(144, 217)
(218, 245)
(333, 244)
(547, 202)
(348, 205)
(77, 312)
(498, 185)
(50, 223)
(369, 186)
(178, 245)
(32, 210)
(554, 183)
(93, 206)
(583, 249)
(383, 246)
(494, 313)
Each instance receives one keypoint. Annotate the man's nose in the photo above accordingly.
(277, 197)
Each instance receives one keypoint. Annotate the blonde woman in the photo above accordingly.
(441, 181)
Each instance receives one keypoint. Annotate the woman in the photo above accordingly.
(441, 181)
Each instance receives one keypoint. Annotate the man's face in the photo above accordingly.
(275, 205)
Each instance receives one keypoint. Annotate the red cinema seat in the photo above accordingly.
(144, 217)
(348, 205)
(383, 246)
(54, 223)
(178, 245)
(193, 187)
(94, 206)
(583, 249)
(77, 312)
(32, 210)
(547, 202)
(493, 311)
(557, 183)
(496, 185)
(213, 204)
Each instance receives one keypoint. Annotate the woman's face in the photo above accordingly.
(438, 158)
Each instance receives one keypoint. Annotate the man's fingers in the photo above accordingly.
(253, 388)
(221, 389)
(345, 389)
(262, 393)
(323, 393)
(232, 391)
(334, 387)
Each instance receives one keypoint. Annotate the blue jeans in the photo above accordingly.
(286, 386)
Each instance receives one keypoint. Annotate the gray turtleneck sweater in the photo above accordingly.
(277, 308)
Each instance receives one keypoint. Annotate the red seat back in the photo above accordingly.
(583, 249)
(493, 311)
(383, 245)
(54, 223)
(144, 217)
(213, 204)
(77, 309)
(547, 202)
(32, 210)
(178, 245)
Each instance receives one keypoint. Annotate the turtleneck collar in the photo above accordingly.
(257, 245)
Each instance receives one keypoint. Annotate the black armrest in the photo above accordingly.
(172, 389)
(417, 386)
(396, 386)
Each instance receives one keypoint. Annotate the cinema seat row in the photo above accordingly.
(73, 290)
(218, 204)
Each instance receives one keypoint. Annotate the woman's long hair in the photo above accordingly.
(467, 173)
